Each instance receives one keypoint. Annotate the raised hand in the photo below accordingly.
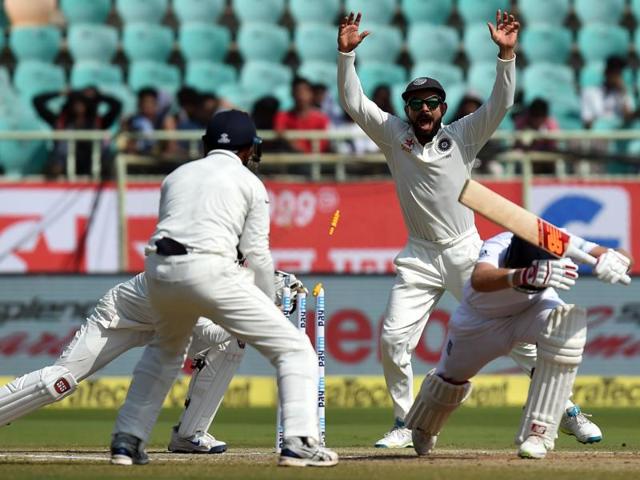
(505, 33)
(348, 35)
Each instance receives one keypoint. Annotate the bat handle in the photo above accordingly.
(583, 257)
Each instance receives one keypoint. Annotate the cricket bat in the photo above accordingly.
(523, 223)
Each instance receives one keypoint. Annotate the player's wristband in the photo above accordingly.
(510, 277)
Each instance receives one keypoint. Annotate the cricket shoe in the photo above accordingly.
(533, 447)
(201, 442)
(576, 423)
(423, 443)
(128, 450)
(398, 437)
(306, 452)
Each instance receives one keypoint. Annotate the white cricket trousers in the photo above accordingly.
(425, 270)
(185, 287)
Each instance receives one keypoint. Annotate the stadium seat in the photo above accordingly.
(546, 43)
(316, 41)
(435, 43)
(455, 94)
(123, 93)
(548, 12)
(92, 42)
(538, 78)
(35, 43)
(474, 11)
(32, 77)
(597, 41)
(203, 41)
(2, 38)
(263, 77)
(478, 46)
(198, 10)
(447, 74)
(323, 73)
(83, 11)
(148, 73)
(4, 21)
(592, 74)
(373, 74)
(320, 11)
(239, 96)
(597, 11)
(146, 41)
(383, 45)
(283, 94)
(635, 8)
(146, 11)
(378, 12)
(436, 12)
(18, 157)
(267, 11)
(206, 76)
(263, 41)
(91, 72)
(481, 77)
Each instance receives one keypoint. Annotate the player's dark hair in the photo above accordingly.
(520, 254)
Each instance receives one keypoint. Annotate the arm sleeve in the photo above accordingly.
(254, 241)
(374, 121)
(494, 249)
(114, 107)
(475, 129)
(40, 103)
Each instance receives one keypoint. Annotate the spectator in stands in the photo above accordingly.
(188, 118)
(382, 98)
(610, 102)
(537, 117)
(210, 104)
(303, 116)
(79, 112)
(468, 104)
(149, 118)
(326, 102)
(264, 114)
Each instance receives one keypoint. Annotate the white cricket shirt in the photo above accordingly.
(429, 178)
(215, 205)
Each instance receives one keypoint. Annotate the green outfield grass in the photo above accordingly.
(250, 435)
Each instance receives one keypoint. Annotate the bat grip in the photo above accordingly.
(583, 257)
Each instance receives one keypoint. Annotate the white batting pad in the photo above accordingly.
(208, 385)
(34, 390)
(435, 402)
(560, 346)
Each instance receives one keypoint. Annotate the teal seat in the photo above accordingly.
(383, 45)
(92, 42)
(481, 11)
(159, 75)
(436, 12)
(207, 77)
(436, 43)
(238, 96)
(570, 121)
(267, 11)
(548, 12)
(19, 157)
(198, 10)
(597, 41)
(320, 11)
(35, 43)
(546, 43)
(83, 11)
(481, 77)
(324, 73)
(91, 72)
(32, 77)
(540, 77)
(598, 11)
(446, 73)
(146, 11)
(204, 41)
(263, 41)
(455, 94)
(4, 21)
(316, 41)
(147, 41)
(263, 77)
(374, 74)
(592, 75)
(478, 46)
(377, 12)
(636, 39)
(123, 93)
(2, 38)
(635, 8)
(283, 94)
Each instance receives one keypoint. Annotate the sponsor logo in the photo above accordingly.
(408, 144)
(62, 385)
(538, 429)
(419, 81)
(224, 138)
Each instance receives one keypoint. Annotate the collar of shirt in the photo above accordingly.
(225, 153)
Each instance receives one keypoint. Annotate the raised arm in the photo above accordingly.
(373, 120)
(477, 128)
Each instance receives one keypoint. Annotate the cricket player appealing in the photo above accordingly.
(122, 320)
(429, 163)
(511, 297)
(209, 209)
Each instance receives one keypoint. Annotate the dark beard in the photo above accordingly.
(253, 166)
(425, 138)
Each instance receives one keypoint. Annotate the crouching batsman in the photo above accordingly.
(511, 297)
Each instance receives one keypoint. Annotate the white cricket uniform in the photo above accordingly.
(488, 325)
(215, 206)
(443, 242)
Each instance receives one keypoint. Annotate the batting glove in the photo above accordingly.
(561, 274)
(611, 266)
(279, 280)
